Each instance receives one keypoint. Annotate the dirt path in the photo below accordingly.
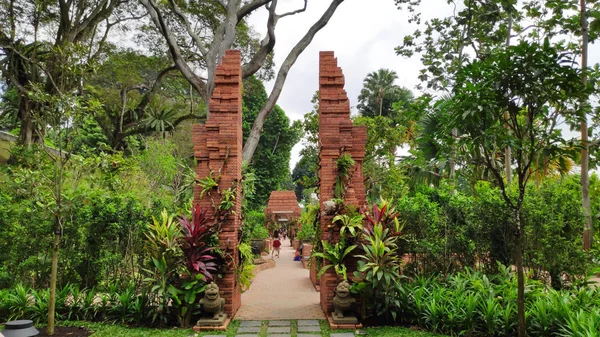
(284, 292)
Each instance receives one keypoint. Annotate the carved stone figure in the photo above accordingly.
(343, 303)
(212, 307)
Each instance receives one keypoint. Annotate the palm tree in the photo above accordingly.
(376, 87)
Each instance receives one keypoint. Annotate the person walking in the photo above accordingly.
(276, 246)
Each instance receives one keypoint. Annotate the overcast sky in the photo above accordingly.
(362, 33)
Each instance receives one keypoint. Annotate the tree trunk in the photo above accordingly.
(253, 138)
(519, 235)
(507, 151)
(26, 133)
(585, 183)
(53, 276)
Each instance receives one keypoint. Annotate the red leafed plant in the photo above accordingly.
(196, 234)
(384, 214)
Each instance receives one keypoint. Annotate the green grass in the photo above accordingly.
(4, 151)
(110, 330)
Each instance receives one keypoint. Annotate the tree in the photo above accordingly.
(379, 93)
(305, 172)
(139, 95)
(535, 85)
(197, 35)
(74, 32)
(272, 159)
(588, 234)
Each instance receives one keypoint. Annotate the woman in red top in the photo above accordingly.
(276, 246)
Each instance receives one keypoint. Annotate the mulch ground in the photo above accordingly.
(60, 331)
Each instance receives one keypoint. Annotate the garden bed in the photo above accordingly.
(67, 331)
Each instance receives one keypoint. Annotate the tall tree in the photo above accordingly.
(198, 33)
(585, 179)
(379, 92)
(305, 172)
(74, 31)
(272, 159)
(139, 95)
(535, 85)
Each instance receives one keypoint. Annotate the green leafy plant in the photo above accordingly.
(186, 296)
(344, 164)
(244, 272)
(379, 265)
(208, 183)
(335, 254)
(350, 224)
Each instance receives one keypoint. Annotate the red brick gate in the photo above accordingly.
(337, 135)
(283, 207)
(218, 149)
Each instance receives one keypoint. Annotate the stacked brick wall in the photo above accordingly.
(218, 148)
(337, 135)
(283, 201)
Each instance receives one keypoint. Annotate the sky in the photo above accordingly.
(362, 33)
(362, 36)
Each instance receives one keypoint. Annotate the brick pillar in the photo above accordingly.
(337, 135)
(218, 148)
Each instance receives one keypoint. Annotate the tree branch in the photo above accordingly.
(197, 83)
(250, 7)
(294, 12)
(188, 27)
(268, 44)
(146, 99)
(289, 61)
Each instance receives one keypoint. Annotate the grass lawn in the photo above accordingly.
(110, 330)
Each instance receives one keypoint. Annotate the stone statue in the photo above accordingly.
(212, 306)
(343, 303)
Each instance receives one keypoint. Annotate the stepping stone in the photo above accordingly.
(308, 322)
(280, 335)
(279, 323)
(215, 336)
(309, 328)
(249, 329)
(307, 335)
(253, 335)
(250, 323)
(345, 334)
(279, 329)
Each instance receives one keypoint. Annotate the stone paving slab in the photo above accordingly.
(308, 322)
(280, 335)
(279, 329)
(250, 323)
(249, 329)
(345, 334)
(307, 335)
(309, 328)
(245, 335)
(280, 323)
(215, 336)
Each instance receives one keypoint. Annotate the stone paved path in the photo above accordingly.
(283, 328)
(284, 292)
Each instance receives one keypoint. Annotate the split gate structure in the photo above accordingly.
(283, 208)
(337, 136)
(218, 149)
